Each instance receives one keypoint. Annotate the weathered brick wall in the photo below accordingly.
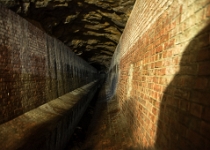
(49, 126)
(163, 73)
(34, 67)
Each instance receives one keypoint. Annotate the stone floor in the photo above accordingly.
(108, 129)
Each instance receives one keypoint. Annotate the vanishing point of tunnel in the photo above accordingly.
(105, 74)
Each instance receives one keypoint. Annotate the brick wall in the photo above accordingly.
(34, 67)
(163, 74)
(49, 126)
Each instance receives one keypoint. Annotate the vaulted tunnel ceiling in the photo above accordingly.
(91, 28)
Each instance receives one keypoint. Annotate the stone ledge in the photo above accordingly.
(36, 125)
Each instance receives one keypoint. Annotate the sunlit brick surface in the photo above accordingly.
(163, 65)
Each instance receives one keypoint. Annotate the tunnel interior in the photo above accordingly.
(90, 28)
(150, 60)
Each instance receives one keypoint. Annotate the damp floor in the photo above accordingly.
(102, 127)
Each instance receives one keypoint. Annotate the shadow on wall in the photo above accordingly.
(8, 85)
(17, 88)
(184, 114)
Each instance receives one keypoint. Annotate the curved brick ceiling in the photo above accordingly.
(91, 28)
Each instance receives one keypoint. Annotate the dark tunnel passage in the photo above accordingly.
(81, 132)
(145, 85)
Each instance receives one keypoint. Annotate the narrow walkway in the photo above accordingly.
(108, 129)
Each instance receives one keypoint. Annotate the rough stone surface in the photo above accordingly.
(91, 28)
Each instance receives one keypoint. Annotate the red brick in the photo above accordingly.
(183, 81)
(162, 71)
(154, 111)
(158, 64)
(201, 83)
(184, 144)
(204, 68)
(196, 109)
(184, 105)
(30, 87)
(204, 40)
(182, 68)
(176, 60)
(173, 101)
(203, 55)
(188, 69)
(195, 124)
(196, 140)
(200, 97)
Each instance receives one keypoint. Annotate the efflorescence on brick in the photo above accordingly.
(34, 67)
(167, 45)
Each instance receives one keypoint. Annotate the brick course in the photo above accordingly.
(34, 67)
(167, 45)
